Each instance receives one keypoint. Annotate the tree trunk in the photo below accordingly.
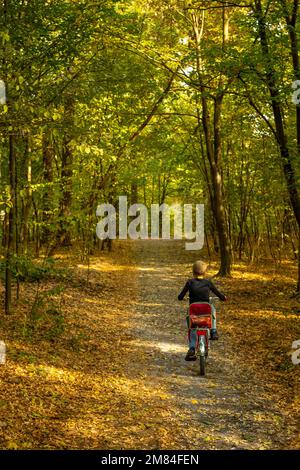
(213, 150)
(133, 194)
(64, 234)
(48, 191)
(212, 135)
(11, 240)
(27, 199)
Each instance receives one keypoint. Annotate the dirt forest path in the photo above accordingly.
(231, 408)
(110, 372)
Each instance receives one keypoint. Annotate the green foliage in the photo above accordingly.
(84, 77)
(46, 318)
(26, 269)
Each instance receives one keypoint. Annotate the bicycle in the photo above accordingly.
(200, 318)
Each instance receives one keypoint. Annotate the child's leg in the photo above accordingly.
(192, 338)
(192, 335)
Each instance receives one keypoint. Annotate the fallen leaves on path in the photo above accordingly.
(114, 376)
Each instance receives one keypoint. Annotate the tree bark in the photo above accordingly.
(48, 192)
(64, 234)
(11, 240)
(28, 194)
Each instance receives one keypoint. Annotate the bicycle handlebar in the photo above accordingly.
(211, 298)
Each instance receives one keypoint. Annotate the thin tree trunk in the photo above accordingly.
(63, 234)
(48, 191)
(134, 193)
(27, 200)
(11, 240)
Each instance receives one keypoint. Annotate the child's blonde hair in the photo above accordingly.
(199, 268)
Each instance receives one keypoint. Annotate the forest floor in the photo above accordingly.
(100, 365)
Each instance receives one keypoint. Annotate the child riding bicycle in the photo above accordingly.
(199, 288)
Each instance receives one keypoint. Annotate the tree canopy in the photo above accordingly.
(169, 101)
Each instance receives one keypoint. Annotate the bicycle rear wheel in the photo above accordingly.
(202, 365)
(203, 355)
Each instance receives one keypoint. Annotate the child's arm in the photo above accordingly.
(183, 292)
(217, 292)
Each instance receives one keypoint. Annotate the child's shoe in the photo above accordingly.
(214, 334)
(191, 356)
